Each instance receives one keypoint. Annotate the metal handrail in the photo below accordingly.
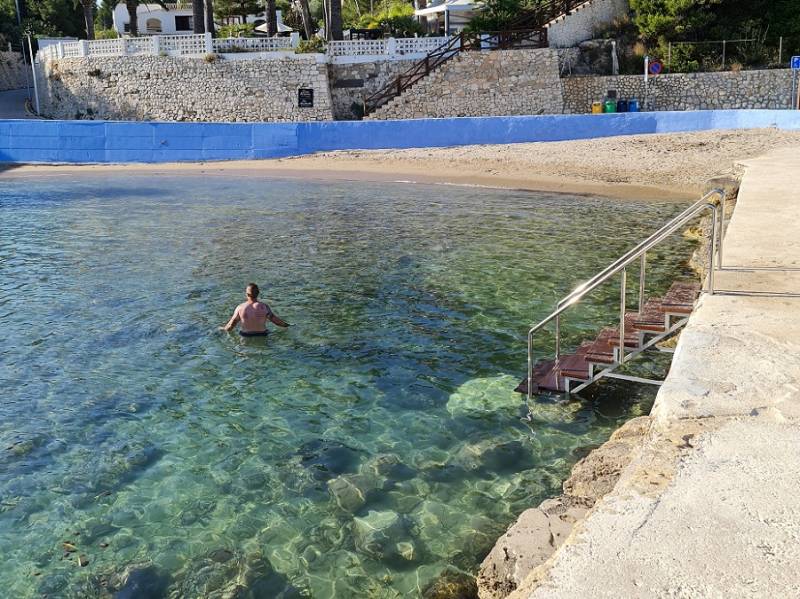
(639, 252)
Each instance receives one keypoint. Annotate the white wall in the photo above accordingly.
(581, 24)
(167, 18)
(151, 11)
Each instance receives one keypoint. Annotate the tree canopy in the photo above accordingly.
(42, 17)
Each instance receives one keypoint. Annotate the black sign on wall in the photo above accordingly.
(305, 97)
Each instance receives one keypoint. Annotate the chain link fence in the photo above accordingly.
(728, 55)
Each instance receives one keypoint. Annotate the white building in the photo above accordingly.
(177, 20)
(443, 17)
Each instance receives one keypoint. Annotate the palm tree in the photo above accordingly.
(133, 19)
(305, 14)
(210, 17)
(334, 30)
(198, 16)
(88, 17)
(272, 18)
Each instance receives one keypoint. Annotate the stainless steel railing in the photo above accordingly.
(620, 265)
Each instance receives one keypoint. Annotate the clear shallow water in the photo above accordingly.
(371, 447)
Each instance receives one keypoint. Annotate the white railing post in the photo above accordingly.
(156, 49)
(294, 39)
(391, 46)
(60, 49)
(209, 43)
(83, 48)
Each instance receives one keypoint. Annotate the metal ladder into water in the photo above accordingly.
(655, 320)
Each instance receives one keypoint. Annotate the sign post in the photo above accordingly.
(795, 66)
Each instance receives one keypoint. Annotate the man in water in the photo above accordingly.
(252, 315)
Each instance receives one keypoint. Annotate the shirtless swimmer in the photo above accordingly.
(252, 315)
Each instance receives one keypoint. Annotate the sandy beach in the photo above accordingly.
(642, 166)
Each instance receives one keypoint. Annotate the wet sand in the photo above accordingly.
(641, 166)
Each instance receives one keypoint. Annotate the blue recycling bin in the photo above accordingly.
(622, 106)
(633, 105)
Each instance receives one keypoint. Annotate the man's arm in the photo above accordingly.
(232, 322)
(275, 319)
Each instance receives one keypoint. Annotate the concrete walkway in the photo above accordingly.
(709, 506)
(12, 104)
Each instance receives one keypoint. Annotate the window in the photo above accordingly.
(153, 25)
(184, 24)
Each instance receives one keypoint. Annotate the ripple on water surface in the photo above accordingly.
(370, 448)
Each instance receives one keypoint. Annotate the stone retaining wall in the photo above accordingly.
(504, 82)
(695, 91)
(350, 83)
(583, 22)
(12, 73)
(183, 89)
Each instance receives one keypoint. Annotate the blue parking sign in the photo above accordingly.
(796, 63)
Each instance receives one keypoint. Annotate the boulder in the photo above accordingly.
(378, 534)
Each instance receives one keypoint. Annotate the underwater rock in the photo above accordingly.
(491, 456)
(389, 466)
(138, 580)
(452, 584)
(378, 533)
(406, 550)
(83, 561)
(95, 528)
(327, 459)
(224, 574)
(347, 494)
(482, 396)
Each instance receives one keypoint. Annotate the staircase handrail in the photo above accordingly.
(639, 252)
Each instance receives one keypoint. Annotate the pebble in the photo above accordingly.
(69, 547)
(83, 561)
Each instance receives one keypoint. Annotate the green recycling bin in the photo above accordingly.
(609, 106)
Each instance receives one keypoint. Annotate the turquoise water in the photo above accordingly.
(364, 452)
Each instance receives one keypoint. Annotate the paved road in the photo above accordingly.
(12, 104)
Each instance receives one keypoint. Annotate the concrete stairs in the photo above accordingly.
(521, 81)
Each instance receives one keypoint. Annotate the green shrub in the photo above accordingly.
(237, 30)
(313, 46)
(105, 34)
(397, 19)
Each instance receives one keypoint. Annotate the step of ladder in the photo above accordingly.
(654, 319)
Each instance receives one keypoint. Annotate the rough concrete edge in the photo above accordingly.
(656, 441)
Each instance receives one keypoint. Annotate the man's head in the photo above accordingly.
(252, 291)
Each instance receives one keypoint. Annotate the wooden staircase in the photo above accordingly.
(659, 318)
(527, 31)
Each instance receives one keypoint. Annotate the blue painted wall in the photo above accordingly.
(36, 141)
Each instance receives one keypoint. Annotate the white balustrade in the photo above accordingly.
(391, 46)
(419, 45)
(199, 45)
(252, 44)
(357, 48)
(182, 45)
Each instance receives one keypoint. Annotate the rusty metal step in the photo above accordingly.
(681, 297)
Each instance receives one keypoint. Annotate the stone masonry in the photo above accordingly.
(685, 91)
(12, 74)
(183, 89)
(350, 83)
(503, 82)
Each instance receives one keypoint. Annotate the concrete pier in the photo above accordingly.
(708, 507)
